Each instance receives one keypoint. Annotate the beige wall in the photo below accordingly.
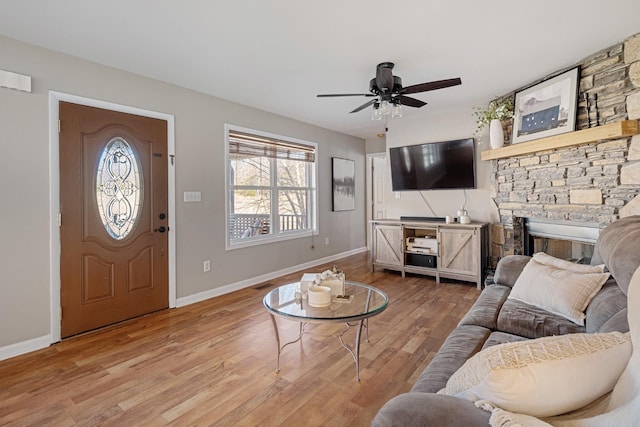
(199, 138)
(434, 127)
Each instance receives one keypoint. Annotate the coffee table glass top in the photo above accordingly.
(366, 301)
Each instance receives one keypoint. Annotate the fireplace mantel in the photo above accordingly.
(614, 130)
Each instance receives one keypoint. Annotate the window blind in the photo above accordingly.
(250, 145)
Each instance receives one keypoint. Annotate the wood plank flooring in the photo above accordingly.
(213, 363)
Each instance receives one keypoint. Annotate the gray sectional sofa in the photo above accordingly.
(495, 319)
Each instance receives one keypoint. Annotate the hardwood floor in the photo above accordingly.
(213, 363)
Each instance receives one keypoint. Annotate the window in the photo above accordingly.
(271, 192)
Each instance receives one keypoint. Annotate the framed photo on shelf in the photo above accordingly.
(343, 177)
(547, 108)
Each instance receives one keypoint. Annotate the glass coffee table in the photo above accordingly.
(288, 302)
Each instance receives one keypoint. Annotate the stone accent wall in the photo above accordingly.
(595, 182)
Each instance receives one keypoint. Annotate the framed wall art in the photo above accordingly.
(343, 175)
(547, 108)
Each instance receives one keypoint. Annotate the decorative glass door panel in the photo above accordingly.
(118, 188)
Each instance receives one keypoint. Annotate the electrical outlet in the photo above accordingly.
(326, 240)
(206, 266)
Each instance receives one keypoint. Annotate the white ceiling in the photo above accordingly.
(276, 55)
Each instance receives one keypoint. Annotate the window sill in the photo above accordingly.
(267, 239)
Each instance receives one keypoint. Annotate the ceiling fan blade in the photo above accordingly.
(363, 106)
(329, 95)
(384, 76)
(411, 102)
(438, 84)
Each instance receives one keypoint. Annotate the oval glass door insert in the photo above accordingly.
(118, 188)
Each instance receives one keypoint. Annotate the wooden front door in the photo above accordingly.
(113, 205)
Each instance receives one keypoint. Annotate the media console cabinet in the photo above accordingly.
(457, 251)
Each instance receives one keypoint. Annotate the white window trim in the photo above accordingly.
(268, 238)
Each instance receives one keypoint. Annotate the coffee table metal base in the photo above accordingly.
(355, 351)
(365, 301)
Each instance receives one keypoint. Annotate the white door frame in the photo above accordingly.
(54, 195)
(369, 190)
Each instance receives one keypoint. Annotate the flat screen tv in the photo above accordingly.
(442, 165)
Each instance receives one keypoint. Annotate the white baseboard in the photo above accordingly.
(34, 344)
(23, 347)
(212, 293)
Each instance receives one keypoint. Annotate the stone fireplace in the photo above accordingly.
(584, 187)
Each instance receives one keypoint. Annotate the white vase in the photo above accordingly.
(496, 134)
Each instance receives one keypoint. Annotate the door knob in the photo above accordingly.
(162, 229)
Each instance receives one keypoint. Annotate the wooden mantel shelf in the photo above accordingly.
(609, 131)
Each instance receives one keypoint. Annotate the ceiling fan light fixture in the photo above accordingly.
(396, 110)
(385, 108)
(389, 95)
(375, 111)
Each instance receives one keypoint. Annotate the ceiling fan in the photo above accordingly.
(388, 93)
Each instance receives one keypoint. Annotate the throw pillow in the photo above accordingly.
(558, 286)
(563, 264)
(544, 377)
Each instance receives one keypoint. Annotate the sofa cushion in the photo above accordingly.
(462, 343)
(544, 377)
(529, 321)
(501, 338)
(484, 311)
(604, 305)
(618, 322)
(558, 286)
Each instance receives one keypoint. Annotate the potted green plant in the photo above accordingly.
(492, 116)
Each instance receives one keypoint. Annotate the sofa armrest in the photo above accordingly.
(509, 268)
(429, 409)
(462, 343)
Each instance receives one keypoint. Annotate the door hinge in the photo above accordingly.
(59, 220)
(59, 125)
(60, 312)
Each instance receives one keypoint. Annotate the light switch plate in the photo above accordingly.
(192, 196)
